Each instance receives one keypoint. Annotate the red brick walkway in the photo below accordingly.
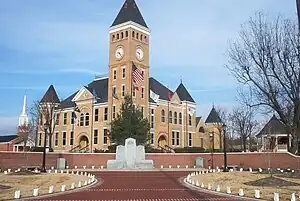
(139, 186)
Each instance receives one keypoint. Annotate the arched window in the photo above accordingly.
(141, 37)
(190, 120)
(113, 37)
(126, 34)
(180, 118)
(118, 36)
(81, 119)
(170, 116)
(163, 117)
(145, 39)
(132, 34)
(122, 35)
(137, 35)
(201, 129)
(87, 119)
(175, 117)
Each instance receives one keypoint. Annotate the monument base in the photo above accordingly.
(114, 164)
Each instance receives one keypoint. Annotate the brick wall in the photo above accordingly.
(6, 146)
(254, 160)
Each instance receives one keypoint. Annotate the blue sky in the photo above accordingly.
(65, 43)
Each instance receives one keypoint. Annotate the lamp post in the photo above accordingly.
(46, 127)
(224, 148)
(211, 135)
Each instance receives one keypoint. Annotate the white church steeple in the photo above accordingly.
(23, 119)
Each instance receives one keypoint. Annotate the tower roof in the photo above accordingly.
(50, 96)
(183, 94)
(129, 12)
(274, 126)
(213, 117)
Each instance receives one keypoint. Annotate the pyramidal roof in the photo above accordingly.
(213, 117)
(129, 12)
(274, 126)
(50, 96)
(183, 94)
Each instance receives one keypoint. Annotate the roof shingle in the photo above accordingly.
(274, 126)
(50, 96)
(183, 94)
(213, 117)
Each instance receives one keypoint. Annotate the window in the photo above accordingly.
(126, 34)
(56, 139)
(190, 139)
(113, 37)
(73, 118)
(152, 118)
(64, 139)
(201, 129)
(96, 115)
(40, 139)
(87, 119)
(190, 120)
(123, 90)
(81, 119)
(105, 114)
(114, 91)
(133, 34)
(95, 136)
(180, 118)
(71, 138)
(118, 36)
(105, 137)
(201, 142)
(41, 119)
(175, 117)
(142, 93)
(177, 138)
(123, 72)
(173, 138)
(152, 138)
(114, 112)
(65, 118)
(137, 35)
(122, 35)
(170, 116)
(57, 119)
(163, 118)
(145, 39)
(115, 74)
(141, 37)
(133, 92)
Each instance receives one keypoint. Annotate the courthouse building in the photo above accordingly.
(83, 119)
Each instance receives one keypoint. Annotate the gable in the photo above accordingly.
(82, 94)
(175, 99)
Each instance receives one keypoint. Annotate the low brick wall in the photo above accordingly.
(15, 160)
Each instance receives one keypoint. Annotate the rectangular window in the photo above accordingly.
(123, 72)
(57, 119)
(71, 138)
(73, 118)
(142, 110)
(65, 118)
(175, 117)
(87, 119)
(133, 92)
(170, 117)
(114, 91)
(173, 138)
(201, 142)
(96, 115)
(180, 118)
(142, 93)
(152, 118)
(152, 138)
(105, 114)
(177, 138)
(105, 137)
(95, 136)
(64, 139)
(56, 139)
(190, 120)
(123, 90)
(190, 139)
(81, 119)
(40, 139)
(115, 74)
(41, 119)
(114, 112)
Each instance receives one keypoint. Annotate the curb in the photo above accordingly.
(183, 181)
(60, 193)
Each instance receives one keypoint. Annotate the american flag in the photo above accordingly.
(137, 76)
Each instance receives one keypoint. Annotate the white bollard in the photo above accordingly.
(241, 169)
(35, 192)
(67, 167)
(8, 170)
(79, 184)
(278, 169)
(257, 194)
(101, 167)
(161, 166)
(178, 166)
(293, 197)
(276, 196)
(17, 194)
(293, 171)
(202, 185)
(218, 189)
(194, 166)
(209, 167)
(55, 171)
(51, 189)
(72, 172)
(85, 174)
(197, 183)
(213, 170)
(72, 185)
(170, 166)
(217, 167)
(49, 171)
(250, 169)
(89, 181)
(5, 172)
(52, 168)
(75, 167)
(85, 183)
(186, 166)
(259, 169)
(93, 167)
(84, 167)
(81, 173)
(63, 188)
(77, 173)
(219, 170)
(196, 173)
(241, 192)
(228, 191)
(61, 171)
(209, 187)
(281, 171)
(193, 182)
(231, 170)
(67, 171)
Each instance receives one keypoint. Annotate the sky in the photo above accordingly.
(65, 43)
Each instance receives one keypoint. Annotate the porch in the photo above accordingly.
(274, 142)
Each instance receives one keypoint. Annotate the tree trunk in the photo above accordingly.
(244, 144)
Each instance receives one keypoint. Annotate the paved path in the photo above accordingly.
(139, 186)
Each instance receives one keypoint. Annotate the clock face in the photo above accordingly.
(139, 53)
(119, 52)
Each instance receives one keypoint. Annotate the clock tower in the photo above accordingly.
(128, 59)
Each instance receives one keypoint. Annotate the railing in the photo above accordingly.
(170, 149)
(282, 147)
(85, 148)
(74, 148)
(163, 149)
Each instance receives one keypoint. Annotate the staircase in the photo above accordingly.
(79, 149)
(170, 149)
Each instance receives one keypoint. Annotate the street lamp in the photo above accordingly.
(211, 135)
(224, 148)
(46, 127)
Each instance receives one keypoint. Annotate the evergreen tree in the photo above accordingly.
(129, 123)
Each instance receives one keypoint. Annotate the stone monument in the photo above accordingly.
(130, 156)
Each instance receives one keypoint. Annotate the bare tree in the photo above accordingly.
(224, 116)
(45, 112)
(265, 60)
(244, 124)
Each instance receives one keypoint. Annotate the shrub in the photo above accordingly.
(39, 149)
(190, 150)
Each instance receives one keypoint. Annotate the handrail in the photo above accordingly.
(163, 149)
(83, 148)
(170, 148)
(74, 148)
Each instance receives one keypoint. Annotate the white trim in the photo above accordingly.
(79, 93)
(98, 105)
(127, 25)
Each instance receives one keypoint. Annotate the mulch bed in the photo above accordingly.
(24, 172)
(271, 182)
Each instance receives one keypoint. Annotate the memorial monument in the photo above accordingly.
(130, 156)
